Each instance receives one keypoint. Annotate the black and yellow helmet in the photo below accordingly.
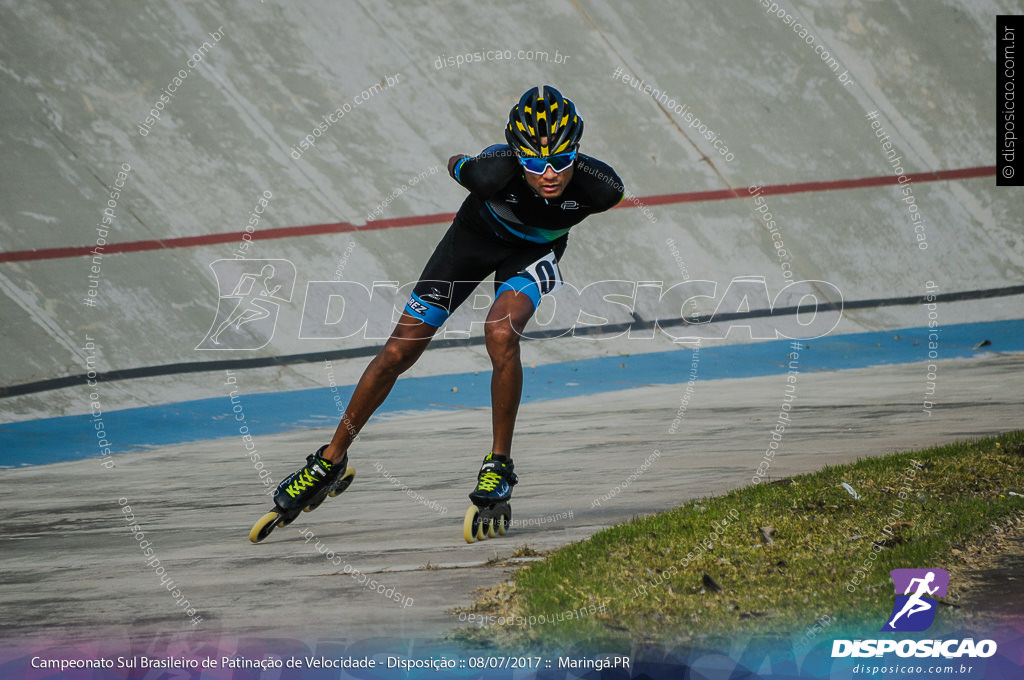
(543, 112)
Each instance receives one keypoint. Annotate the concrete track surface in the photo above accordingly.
(70, 560)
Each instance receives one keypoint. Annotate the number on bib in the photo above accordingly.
(545, 272)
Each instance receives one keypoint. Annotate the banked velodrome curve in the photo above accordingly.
(76, 85)
(812, 142)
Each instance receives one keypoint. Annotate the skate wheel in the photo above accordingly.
(344, 482)
(481, 529)
(470, 524)
(492, 527)
(503, 521)
(264, 525)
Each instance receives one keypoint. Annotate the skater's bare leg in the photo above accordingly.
(407, 342)
(504, 328)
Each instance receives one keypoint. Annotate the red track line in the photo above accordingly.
(724, 194)
(341, 227)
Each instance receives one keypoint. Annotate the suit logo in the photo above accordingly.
(434, 295)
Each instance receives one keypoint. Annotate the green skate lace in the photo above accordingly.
(489, 481)
(304, 481)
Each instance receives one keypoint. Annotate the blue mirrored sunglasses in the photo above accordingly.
(538, 165)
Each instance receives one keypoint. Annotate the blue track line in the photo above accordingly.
(54, 440)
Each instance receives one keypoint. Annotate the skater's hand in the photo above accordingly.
(452, 161)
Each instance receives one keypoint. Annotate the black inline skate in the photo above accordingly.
(490, 515)
(304, 490)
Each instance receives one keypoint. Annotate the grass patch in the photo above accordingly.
(770, 559)
(525, 551)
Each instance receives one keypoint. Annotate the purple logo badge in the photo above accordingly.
(914, 610)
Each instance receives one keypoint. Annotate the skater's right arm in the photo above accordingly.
(452, 162)
(485, 174)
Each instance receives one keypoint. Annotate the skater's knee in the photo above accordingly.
(397, 357)
(501, 338)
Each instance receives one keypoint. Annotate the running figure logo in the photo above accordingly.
(250, 295)
(915, 611)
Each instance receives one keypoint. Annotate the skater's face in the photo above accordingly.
(551, 184)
